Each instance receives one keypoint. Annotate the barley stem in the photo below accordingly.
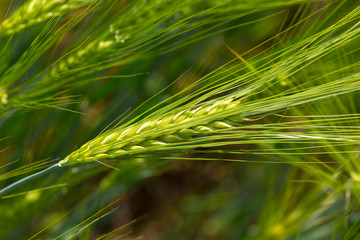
(22, 181)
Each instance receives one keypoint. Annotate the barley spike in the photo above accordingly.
(140, 136)
(37, 11)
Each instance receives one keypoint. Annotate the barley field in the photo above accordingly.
(169, 119)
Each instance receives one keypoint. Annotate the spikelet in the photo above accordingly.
(139, 137)
(115, 39)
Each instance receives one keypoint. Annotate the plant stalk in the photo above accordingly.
(22, 181)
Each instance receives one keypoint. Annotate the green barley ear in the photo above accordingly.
(157, 133)
(38, 11)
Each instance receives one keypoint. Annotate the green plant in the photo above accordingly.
(264, 146)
